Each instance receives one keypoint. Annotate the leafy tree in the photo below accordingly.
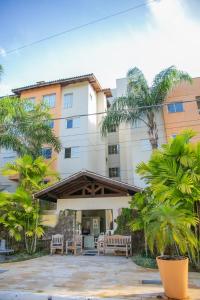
(20, 212)
(169, 205)
(24, 127)
(143, 101)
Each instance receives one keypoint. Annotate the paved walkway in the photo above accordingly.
(82, 277)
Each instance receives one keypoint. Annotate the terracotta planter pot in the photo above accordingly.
(174, 276)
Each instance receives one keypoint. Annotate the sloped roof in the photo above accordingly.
(64, 81)
(78, 179)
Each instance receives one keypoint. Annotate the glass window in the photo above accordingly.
(50, 123)
(69, 123)
(114, 172)
(198, 103)
(50, 100)
(67, 152)
(73, 123)
(76, 122)
(72, 152)
(175, 107)
(112, 129)
(46, 153)
(113, 149)
(30, 102)
(146, 145)
(68, 100)
(9, 159)
(75, 152)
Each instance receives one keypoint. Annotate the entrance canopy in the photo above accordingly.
(85, 184)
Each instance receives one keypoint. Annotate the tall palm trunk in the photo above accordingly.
(152, 130)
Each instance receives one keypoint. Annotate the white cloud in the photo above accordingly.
(2, 52)
(171, 37)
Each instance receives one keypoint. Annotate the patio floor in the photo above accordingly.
(82, 277)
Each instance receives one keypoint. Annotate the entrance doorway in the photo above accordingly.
(93, 223)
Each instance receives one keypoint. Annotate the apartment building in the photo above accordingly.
(76, 102)
(182, 109)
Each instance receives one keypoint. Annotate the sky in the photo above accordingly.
(157, 35)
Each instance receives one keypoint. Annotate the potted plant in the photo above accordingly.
(169, 232)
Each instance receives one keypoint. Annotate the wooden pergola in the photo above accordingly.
(86, 184)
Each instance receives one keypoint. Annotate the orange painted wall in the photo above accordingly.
(190, 117)
(38, 93)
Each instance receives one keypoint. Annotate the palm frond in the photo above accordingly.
(165, 81)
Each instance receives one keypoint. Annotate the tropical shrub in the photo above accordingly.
(169, 206)
(20, 212)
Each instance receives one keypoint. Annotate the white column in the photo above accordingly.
(79, 219)
(115, 215)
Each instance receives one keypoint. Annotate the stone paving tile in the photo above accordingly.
(82, 276)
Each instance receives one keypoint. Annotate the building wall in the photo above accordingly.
(87, 136)
(190, 117)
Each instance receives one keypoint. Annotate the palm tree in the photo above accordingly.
(143, 101)
(24, 127)
(172, 176)
(171, 227)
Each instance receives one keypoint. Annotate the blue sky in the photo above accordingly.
(152, 37)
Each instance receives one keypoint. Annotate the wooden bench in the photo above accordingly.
(119, 243)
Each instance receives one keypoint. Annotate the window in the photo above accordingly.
(136, 124)
(72, 152)
(114, 172)
(9, 159)
(30, 102)
(46, 153)
(50, 123)
(50, 100)
(73, 123)
(113, 149)
(145, 145)
(175, 107)
(198, 103)
(68, 100)
(112, 129)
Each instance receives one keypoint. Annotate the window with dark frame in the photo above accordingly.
(46, 153)
(113, 149)
(72, 152)
(198, 103)
(68, 152)
(50, 100)
(175, 107)
(114, 172)
(73, 123)
(112, 129)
